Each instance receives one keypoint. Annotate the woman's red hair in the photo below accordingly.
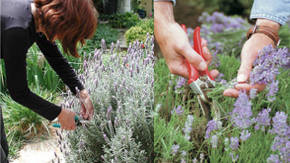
(70, 21)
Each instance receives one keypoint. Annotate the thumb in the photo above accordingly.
(244, 71)
(193, 57)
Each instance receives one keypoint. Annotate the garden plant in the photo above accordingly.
(253, 127)
(121, 88)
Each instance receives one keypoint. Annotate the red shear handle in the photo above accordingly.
(198, 48)
(192, 72)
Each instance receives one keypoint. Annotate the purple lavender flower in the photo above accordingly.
(280, 126)
(178, 110)
(234, 157)
(188, 127)
(211, 126)
(241, 114)
(273, 89)
(245, 134)
(108, 114)
(234, 143)
(214, 141)
(194, 160)
(219, 22)
(273, 159)
(263, 119)
(174, 149)
(103, 44)
(180, 82)
(219, 78)
(267, 65)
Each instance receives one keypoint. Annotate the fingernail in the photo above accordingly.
(202, 66)
(241, 78)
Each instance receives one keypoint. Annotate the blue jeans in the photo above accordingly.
(4, 145)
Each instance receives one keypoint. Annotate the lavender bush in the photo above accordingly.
(120, 86)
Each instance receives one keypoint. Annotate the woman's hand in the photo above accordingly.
(87, 108)
(66, 119)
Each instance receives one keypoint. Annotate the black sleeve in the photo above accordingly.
(15, 48)
(59, 63)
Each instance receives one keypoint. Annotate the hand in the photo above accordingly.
(87, 108)
(249, 54)
(174, 43)
(66, 119)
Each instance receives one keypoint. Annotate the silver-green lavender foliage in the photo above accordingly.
(121, 88)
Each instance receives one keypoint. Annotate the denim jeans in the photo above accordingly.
(3, 140)
(277, 10)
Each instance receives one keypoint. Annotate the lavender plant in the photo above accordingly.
(120, 86)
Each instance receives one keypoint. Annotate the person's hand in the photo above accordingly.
(66, 119)
(249, 54)
(87, 108)
(174, 43)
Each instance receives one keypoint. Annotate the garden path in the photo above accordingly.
(40, 151)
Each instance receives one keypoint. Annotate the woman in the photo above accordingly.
(24, 22)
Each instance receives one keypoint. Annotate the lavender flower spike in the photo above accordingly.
(245, 134)
(178, 110)
(234, 143)
(174, 149)
(263, 119)
(280, 126)
(211, 126)
(241, 114)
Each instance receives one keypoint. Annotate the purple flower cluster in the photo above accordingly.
(282, 140)
(175, 148)
(280, 126)
(245, 134)
(180, 82)
(241, 114)
(178, 110)
(219, 22)
(273, 159)
(266, 68)
(234, 143)
(263, 119)
(272, 90)
(211, 126)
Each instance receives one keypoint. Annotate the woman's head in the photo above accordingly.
(70, 21)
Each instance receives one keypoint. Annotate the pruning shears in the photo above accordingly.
(194, 79)
(79, 122)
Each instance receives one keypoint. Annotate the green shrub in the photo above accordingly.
(121, 90)
(102, 32)
(139, 32)
(229, 7)
(39, 72)
(125, 20)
